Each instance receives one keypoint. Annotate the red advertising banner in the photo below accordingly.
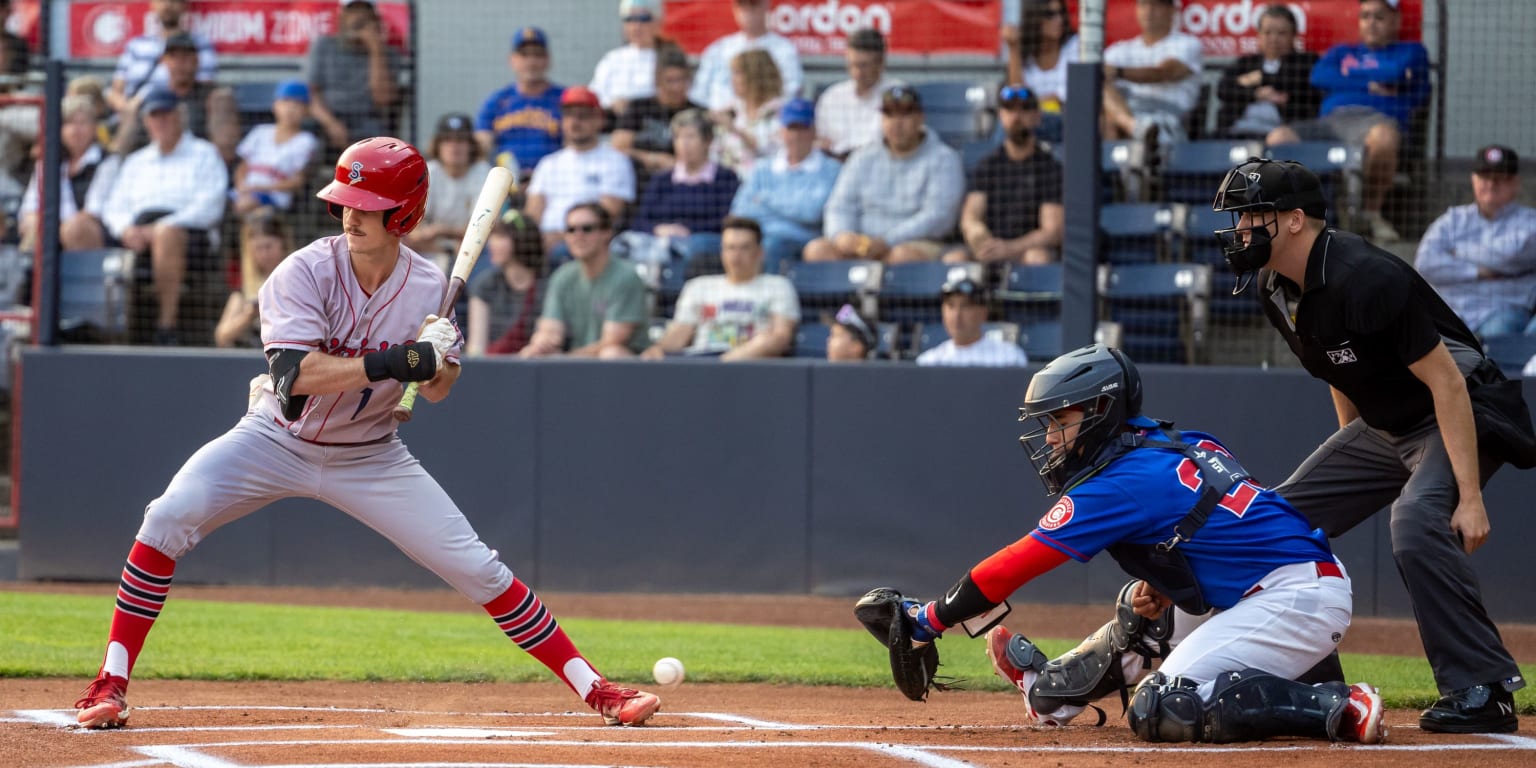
(1229, 28)
(100, 29)
(23, 22)
(821, 27)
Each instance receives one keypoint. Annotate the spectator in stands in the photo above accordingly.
(87, 172)
(595, 303)
(1481, 258)
(628, 73)
(848, 112)
(504, 300)
(740, 315)
(1013, 209)
(748, 130)
(264, 243)
(91, 87)
(169, 195)
(210, 110)
(521, 122)
(897, 200)
(683, 209)
(787, 193)
(455, 173)
(1151, 81)
(141, 62)
(353, 77)
(584, 169)
(644, 131)
(712, 85)
(1262, 91)
(1039, 57)
(1372, 90)
(965, 311)
(851, 337)
(15, 54)
(275, 157)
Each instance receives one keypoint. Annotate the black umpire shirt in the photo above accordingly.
(1364, 317)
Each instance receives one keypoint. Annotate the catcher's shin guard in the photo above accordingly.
(1252, 704)
(1167, 709)
(1095, 668)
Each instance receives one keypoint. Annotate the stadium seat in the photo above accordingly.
(1136, 233)
(955, 109)
(93, 292)
(1122, 166)
(972, 151)
(1031, 299)
(930, 335)
(1161, 309)
(1193, 169)
(910, 293)
(1511, 352)
(1201, 246)
(827, 285)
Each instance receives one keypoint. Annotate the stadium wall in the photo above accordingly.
(784, 477)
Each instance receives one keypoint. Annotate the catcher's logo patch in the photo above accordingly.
(1060, 515)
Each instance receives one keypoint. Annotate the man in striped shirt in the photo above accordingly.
(140, 65)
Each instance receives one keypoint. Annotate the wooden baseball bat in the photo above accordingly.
(493, 194)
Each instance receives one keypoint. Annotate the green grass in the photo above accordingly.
(47, 635)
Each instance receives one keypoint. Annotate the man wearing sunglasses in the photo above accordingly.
(1013, 210)
(965, 312)
(595, 303)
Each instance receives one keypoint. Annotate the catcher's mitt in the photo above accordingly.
(912, 667)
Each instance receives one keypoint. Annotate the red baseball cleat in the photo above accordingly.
(104, 704)
(997, 653)
(1363, 715)
(622, 706)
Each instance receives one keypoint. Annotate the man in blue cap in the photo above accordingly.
(787, 194)
(523, 119)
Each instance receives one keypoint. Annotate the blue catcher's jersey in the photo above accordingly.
(1144, 493)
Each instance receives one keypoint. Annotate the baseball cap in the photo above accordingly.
(455, 123)
(580, 96)
(529, 36)
(1497, 158)
(1020, 95)
(158, 99)
(1284, 184)
(798, 112)
(850, 318)
(902, 98)
(181, 41)
(966, 286)
(292, 90)
(639, 10)
(867, 39)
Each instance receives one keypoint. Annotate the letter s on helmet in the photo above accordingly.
(380, 174)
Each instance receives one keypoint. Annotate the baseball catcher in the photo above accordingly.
(1255, 594)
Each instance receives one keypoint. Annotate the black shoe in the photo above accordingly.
(166, 337)
(1479, 709)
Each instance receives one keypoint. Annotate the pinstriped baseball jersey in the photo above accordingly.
(313, 302)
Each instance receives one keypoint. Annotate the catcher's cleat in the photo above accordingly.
(622, 706)
(997, 653)
(1362, 716)
(104, 703)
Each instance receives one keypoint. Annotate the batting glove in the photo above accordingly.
(440, 333)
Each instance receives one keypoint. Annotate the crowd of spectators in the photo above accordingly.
(654, 161)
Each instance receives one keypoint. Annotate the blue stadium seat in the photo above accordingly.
(1120, 162)
(1161, 309)
(823, 285)
(93, 294)
(1031, 299)
(1511, 352)
(954, 109)
(910, 293)
(1201, 246)
(1136, 233)
(1194, 169)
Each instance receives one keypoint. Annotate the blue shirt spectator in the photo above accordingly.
(523, 119)
(787, 194)
(1393, 80)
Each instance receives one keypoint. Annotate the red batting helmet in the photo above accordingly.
(380, 174)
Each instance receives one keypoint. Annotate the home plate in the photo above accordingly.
(464, 733)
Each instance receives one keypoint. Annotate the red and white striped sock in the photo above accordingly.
(524, 619)
(141, 594)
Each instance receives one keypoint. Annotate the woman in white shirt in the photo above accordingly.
(1045, 46)
(628, 73)
(749, 130)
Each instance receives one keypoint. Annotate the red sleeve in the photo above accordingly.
(1014, 566)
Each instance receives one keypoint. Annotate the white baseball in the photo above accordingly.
(667, 671)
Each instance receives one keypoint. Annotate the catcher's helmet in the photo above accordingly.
(1100, 381)
(1263, 188)
(380, 174)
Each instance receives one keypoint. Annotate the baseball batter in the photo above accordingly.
(342, 327)
(1260, 597)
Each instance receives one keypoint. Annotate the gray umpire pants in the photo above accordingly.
(1360, 470)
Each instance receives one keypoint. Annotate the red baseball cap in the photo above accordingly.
(580, 96)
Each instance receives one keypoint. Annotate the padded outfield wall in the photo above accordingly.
(780, 477)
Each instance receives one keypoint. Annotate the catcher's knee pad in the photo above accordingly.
(1147, 637)
(1084, 674)
(1167, 709)
(1253, 704)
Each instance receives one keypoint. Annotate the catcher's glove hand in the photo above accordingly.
(912, 664)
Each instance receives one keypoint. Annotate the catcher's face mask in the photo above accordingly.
(1057, 447)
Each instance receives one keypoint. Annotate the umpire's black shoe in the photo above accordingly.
(1479, 709)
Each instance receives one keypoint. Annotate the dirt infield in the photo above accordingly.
(249, 725)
